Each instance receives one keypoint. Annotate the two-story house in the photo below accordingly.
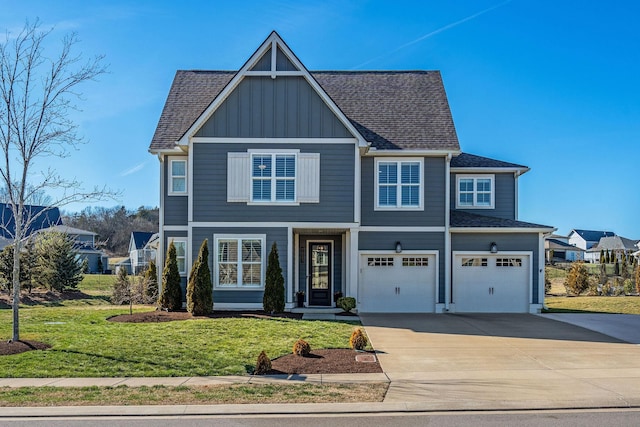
(359, 179)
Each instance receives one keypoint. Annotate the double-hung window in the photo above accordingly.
(399, 184)
(240, 262)
(177, 177)
(181, 255)
(273, 178)
(475, 191)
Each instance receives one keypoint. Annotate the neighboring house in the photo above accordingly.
(142, 249)
(562, 251)
(39, 217)
(586, 239)
(85, 245)
(357, 177)
(613, 244)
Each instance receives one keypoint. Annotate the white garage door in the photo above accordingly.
(491, 283)
(397, 283)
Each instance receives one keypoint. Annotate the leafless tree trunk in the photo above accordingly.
(36, 94)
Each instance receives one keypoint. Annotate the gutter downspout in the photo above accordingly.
(447, 233)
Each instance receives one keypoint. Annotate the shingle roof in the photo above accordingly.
(391, 109)
(615, 242)
(562, 244)
(140, 238)
(466, 219)
(593, 235)
(46, 217)
(466, 160)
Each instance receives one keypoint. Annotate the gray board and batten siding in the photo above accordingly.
(246, 296)
(262, 107)
(410, 241)
(175, 207)
(433, 214)
(506, 242)
(505, 196)
(336, 186)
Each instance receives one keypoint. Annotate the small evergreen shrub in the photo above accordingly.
(171, 295)
(263, 365)
(358, 340)
(151, 284)
(273, 299)
(346, 303)
(638, 279)
(577, 280)
(301, 348)
(628, 286)
(199, 287)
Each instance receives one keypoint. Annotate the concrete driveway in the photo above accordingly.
(502, 361)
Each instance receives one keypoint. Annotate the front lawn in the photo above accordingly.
(623, 305)
(85, 344)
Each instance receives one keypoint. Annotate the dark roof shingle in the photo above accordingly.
(466, 160)
(391, 109)
(466, 219)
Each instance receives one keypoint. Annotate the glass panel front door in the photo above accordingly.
(320, 255)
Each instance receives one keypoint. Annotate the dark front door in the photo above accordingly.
(320, 255)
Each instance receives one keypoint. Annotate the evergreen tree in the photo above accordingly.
(607, 257)
(577, 280)
(602, 256)
(27, 262)
(171, 295)
(151, 283)
(273, 300)
(616, 268)
(100, 266)
(57, 265)
(199, 288)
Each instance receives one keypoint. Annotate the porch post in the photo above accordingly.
(353, 264)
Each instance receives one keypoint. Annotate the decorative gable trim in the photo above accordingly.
(274, 44)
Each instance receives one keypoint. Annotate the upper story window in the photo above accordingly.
(475, 192)
(399, 184)
(273, 178)
(177, 177)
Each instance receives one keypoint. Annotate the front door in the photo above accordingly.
(320, 260)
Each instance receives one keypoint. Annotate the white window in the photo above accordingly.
(508, 262)
(380, 262)
(399, 184)
(474, 262)
(475, 191)
(177, 177)
(273, 178)
(240, 261)
(181, 254)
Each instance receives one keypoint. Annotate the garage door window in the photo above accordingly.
(380, 262)
(474, 262)
(508, 262)
(415, 262)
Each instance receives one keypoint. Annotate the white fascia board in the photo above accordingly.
(245, 141)
(520, 171)
(166, 152)
(294, 225)
(501, 230)
(400, 229)
(273, 41)
(373, 152)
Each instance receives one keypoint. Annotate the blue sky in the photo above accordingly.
(554, 85)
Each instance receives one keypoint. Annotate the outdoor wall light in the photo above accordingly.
(398, 247)
(493, 247)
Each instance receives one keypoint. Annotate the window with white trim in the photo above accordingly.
(181, 254)
(399, 184)
(177, 177)
(240, 262)
(475, 191)
(474, 262)
(273, 178)
(508, 262)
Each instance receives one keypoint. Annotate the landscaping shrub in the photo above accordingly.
(57, 266)
(27, 264)
(151, 284)
(547, 285)
(358, 340)
(577, 280)
(199, 288)
(628, 286)
(273, 298)
(171, 294)
(263, 365)
(301, 348)
(638, 279)
(346, 303)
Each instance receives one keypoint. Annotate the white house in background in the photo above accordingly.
(142, 249)
(586, 239)
(615, 244)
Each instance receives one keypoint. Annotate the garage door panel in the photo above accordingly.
(491, 283)
(398, 283)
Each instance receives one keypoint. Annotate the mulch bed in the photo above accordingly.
(330, 361)
(168, 316)
(16, 347)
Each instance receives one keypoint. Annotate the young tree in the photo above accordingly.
(273, 299)
(37, 91)
(637, 278)
(199, 288)
(6, 268)
(602, 256)
(57, 265)
(171, 294)
(100, 266)
(616, 268)
(122, 292)
(577, 280)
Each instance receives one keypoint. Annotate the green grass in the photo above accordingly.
(85, 344)
(623, 305)
(97, 284)
(161, 395)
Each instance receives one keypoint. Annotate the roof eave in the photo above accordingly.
(518, 170)
(502, 229)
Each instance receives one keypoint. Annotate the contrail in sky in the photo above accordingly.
(134, 169)
(433, 33)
